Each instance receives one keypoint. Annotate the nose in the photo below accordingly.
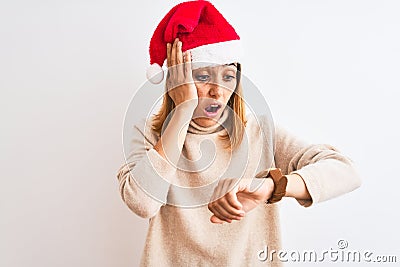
(215, 91)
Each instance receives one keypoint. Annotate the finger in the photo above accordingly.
(214, 209)
(214, 219)
(179, 57)
(222, 207)
(230, 189)
(221, 214)
(220, 204)
(168, 54)
(228, 211)
(217, 200)
(173, 53)
(228, 202)
(234, 203)
(188, 65)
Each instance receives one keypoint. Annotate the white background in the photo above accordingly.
(68, 69)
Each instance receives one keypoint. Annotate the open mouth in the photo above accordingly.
(212, 110)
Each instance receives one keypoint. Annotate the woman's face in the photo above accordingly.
(215, 85)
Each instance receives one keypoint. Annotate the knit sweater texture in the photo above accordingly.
(180, 232)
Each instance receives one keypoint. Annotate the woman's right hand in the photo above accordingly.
(180, 84)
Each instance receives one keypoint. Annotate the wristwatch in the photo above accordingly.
(280, 183)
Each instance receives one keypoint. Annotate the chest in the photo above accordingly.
(205, 159)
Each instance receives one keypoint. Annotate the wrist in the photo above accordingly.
(270, 186)
(186, 108)
(296, 187)
(291, 186)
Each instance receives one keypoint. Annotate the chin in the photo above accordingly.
(206, 122)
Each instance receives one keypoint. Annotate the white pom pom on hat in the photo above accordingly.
(202, 30)
(155, 74)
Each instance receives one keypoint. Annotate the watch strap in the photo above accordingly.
(280, 183)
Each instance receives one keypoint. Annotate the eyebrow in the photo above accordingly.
(225, 65)
(232, 64)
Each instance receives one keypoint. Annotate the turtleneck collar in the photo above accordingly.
(217, 127)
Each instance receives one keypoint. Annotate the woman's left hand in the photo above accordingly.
(240, 200)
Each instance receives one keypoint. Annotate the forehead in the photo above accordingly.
(213, 68)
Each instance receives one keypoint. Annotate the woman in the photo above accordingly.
(204, 205)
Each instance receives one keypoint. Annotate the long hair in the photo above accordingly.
(236, 127)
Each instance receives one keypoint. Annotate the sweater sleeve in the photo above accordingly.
(144, 179)
(326, 172)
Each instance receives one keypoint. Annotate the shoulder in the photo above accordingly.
(260, 129)
(260, 122)
(265, 123)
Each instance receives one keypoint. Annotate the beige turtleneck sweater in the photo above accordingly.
(180, 232)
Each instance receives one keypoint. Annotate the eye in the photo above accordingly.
(202, 77)
(229, 78)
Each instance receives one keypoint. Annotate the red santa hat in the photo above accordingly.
(203, 31)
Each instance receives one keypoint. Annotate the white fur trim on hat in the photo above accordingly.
(155, 73)
(216, 53)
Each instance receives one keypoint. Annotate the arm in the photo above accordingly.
(145, 178)
(315, 172)
(183, 92)
(170, 145)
